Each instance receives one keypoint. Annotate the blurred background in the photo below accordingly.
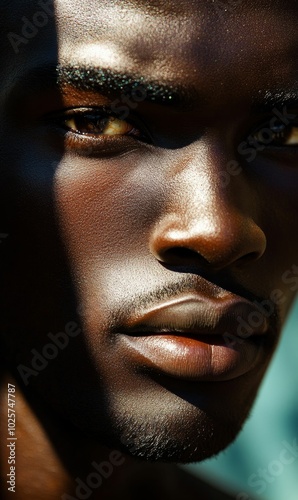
(272, 427)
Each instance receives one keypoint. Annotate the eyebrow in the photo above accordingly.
(101, 79)
(106, 81)
(276, 99)
(50, 76)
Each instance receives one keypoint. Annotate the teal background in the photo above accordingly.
(274, 419)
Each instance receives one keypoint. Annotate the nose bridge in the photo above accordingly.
(208, 216)
(202, 191)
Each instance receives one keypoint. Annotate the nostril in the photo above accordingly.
(250, 257)
(180, 255)
(183, 252)
(183, 256)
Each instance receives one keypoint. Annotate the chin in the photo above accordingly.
(167, 441)
(159, 419)
(179, 423)
(180, 433)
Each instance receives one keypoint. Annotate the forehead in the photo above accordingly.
(179, 41)
(226, 50)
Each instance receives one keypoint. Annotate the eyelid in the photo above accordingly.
(59, 116)
(89, 109)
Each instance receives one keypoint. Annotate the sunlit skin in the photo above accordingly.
(119, 221)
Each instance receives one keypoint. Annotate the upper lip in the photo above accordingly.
(196, 315)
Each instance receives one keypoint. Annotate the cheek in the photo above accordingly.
(105, 208)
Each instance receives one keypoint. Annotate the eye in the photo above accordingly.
(98, 123)
(277, 135)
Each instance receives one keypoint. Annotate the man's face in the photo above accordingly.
(163, 218)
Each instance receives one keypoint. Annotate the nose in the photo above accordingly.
(207, 224)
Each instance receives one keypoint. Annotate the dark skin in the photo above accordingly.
(110, 219)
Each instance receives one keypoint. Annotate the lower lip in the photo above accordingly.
(194, 359)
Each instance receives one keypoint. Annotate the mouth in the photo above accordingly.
(198, 339)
